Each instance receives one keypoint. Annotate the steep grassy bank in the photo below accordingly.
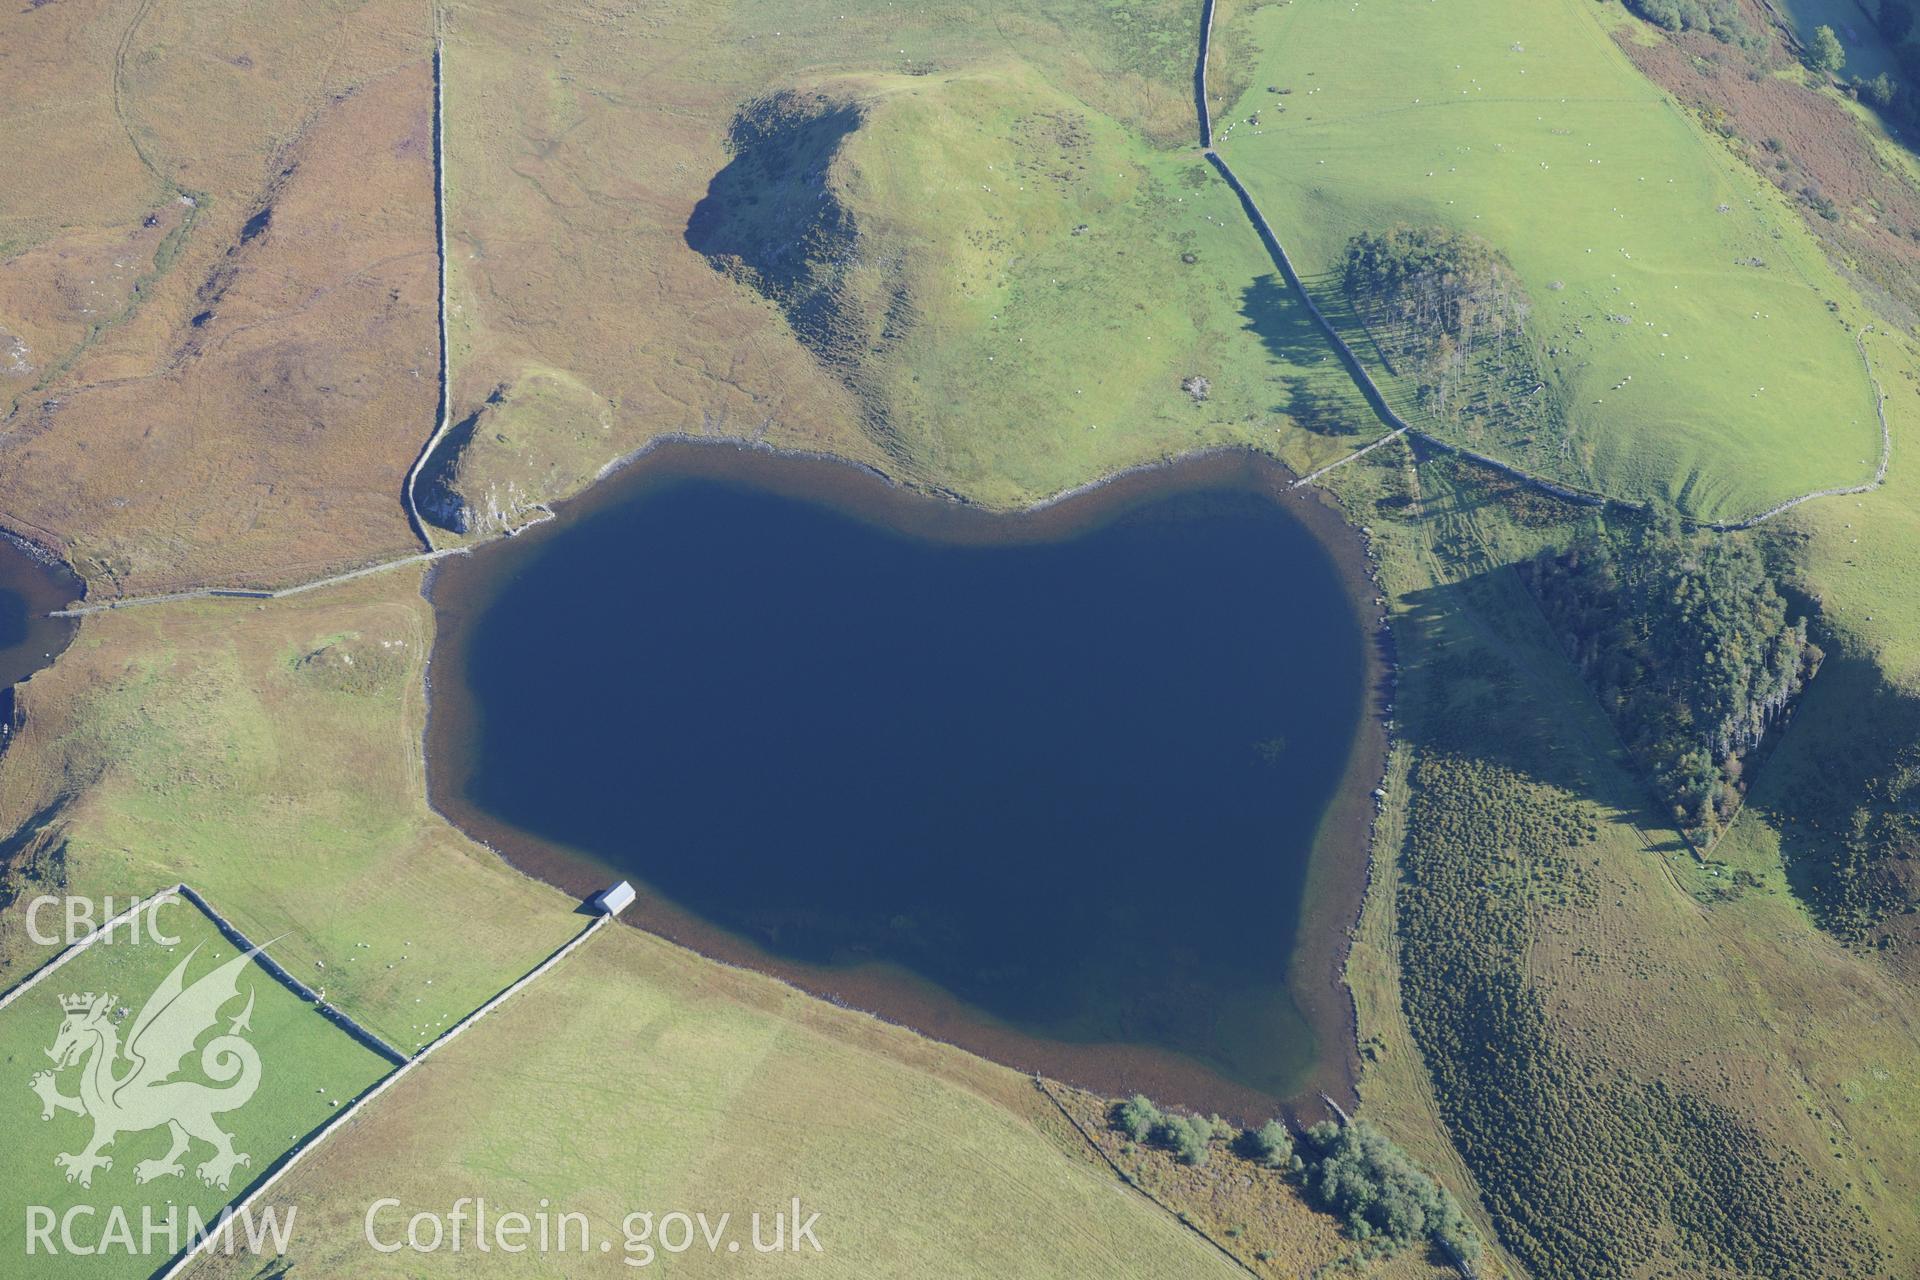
(1639, 1059)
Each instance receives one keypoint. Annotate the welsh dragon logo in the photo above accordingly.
(130, 1088)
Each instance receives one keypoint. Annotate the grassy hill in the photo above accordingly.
(1011, 286)
(1025, 262)
(1697, 341)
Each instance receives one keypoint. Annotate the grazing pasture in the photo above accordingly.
(309, 1069)
(640, 1078)
(270, 758)
(1699, 344)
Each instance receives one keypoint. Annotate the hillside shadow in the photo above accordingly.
(773, 217)
(1488, 682)
(436, 489)
(1842, 791)
(1329, 292)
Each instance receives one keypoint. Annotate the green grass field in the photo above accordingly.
(1864, 550)
(1065, 280)
(309, 1069)
(185, 740)
(1699, 343)
(639, 1078)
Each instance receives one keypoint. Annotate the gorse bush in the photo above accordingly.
(1188, 1136)
(1355, 1173)
(1136, 1117)
(1381, 1194)
(1270, 1145)
(1881, 91)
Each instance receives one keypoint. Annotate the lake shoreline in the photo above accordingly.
(40, 582)
(1336, 878)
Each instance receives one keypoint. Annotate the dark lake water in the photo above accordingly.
(1051, 783)
(29, 589)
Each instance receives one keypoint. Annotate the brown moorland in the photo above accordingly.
(240, 406)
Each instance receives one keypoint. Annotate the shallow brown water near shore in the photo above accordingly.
(1083, 789)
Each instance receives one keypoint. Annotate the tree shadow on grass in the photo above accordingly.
(1319, 395)
(1329, 292)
